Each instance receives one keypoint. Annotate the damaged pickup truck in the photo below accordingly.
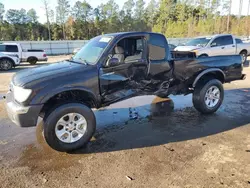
(110, 68)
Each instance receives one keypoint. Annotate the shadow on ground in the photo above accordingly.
(163, 125)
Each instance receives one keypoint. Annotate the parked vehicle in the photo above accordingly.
(216, 45)
(111, 68)
(7, 62)
(76, 50)
(31, 56)
(171, 47)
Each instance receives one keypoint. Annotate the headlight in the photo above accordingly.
(195, 51)
(21, 94)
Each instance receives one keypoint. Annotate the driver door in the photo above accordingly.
(118, 79)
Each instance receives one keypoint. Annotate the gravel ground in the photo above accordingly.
(180, 149)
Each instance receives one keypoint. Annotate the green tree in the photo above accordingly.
(62, 14)
(151, 12)
(32, 16)
(1, 11)
(127, 15)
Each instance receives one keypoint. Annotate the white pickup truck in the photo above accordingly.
(216, 45)
(31, 56)
(7, 62)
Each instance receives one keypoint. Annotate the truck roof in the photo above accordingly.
(129, 33)
(9, 43)
(212, 36)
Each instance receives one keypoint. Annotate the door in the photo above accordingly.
(124, 69)
(9, 49)
(223, 45)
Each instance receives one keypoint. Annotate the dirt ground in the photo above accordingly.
(179, 149)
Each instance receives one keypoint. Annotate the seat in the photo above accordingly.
(133, 58)
(119, 54)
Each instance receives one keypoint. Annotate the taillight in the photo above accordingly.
(44, 55)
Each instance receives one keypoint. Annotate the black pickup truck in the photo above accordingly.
(110, 68)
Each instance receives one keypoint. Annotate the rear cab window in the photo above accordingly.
(238, 41)
(157, 47)
(223, 40)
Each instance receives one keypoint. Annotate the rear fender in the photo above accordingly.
(207, 71)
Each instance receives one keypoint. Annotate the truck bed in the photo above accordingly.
(185, 68)
(182, 55)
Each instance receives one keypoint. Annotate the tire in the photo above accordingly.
(6, 64)
(200, 99)
(244, 56)
(52, 127)
(32, 60)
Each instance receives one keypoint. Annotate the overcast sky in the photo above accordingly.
(38, 5)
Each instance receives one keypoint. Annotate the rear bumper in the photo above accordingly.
(23, 116)
(43, 59)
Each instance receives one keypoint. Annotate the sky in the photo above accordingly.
(38, 5)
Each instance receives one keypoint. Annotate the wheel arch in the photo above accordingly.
(203, 55)
(12, 61)
(213, 72)
(77, 95)
(31, 57)
(244, 50)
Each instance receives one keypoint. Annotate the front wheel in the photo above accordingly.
(6, 64)
(208, 96)
(69, 127)
(243, 56)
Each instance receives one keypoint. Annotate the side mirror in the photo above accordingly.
(213, 44)
(112, 62)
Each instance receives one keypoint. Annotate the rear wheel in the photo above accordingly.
(208, 96)
(6, 64)
(32, 60)
(69, 127)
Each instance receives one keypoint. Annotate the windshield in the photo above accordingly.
(91, 51)
(198, 42)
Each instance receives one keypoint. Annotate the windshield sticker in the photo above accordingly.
(208, 38)
(104, 39)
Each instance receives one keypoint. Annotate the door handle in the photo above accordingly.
(110, 73)
(222, 47)
(233, 46)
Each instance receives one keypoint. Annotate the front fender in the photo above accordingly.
(43, 96)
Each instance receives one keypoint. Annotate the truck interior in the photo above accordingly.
(128, 49)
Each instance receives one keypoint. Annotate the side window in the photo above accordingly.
(156, 46)
(238, 41)
(2, 48)
(11, 48)
(223, 41)
(128, 50)
(139, 45)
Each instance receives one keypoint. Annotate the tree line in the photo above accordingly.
(173, 18)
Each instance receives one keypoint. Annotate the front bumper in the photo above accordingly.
(23, 116)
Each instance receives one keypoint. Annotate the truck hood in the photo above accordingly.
(186, 48)
(48, 72)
